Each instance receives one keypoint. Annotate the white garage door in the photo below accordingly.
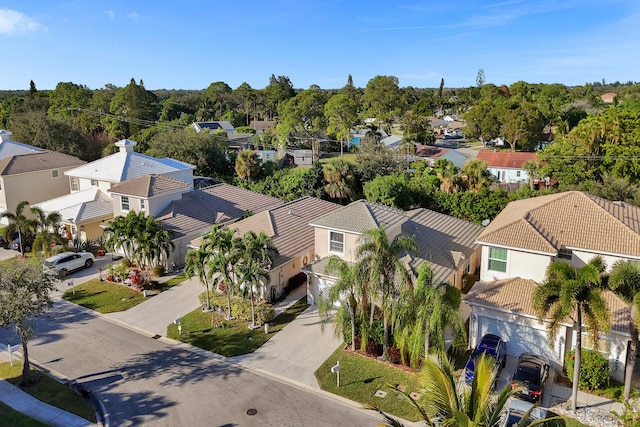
(519, 338)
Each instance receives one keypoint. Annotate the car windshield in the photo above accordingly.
(48, 264)
(530, 374)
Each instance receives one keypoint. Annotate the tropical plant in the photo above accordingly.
(384, 273)
(424, 311)
(197, 264)
(224, 251)
(247, 165)
(18, 222)
(568, 292)
(475, 176)
(340, 179)
(445, 403)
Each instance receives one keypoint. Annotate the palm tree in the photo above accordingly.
(247, 165)
(624, 280)
(223, 251)
(447, 173)
(425, 312)
(444, 403)
(385, 273)
(568, 291)
(18, 222)
(258, 255)
(121, 232)
(340, 179)
(475, 175)
(344, 290)
(198, 263)
(45, 222)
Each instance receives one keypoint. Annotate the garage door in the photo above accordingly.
(519, 338)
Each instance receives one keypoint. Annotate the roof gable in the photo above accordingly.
(151, 186)
(571, 219)
(360, 216)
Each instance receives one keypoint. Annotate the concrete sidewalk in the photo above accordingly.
(296, 351)
(29, 405)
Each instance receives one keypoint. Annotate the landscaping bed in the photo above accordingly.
(211, 331)
(49, 391)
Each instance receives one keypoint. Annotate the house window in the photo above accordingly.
(75, 183)
(604, 345)
(498, 259)
(518, 174)
(143, 205)
(336, 242)
(565, 253)
(124, 203)
(94, 182)
(54, 173)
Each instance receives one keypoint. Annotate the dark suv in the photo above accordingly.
(491, 345)
(28, 242)
(530, 377)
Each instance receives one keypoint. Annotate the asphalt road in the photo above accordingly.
(143, 381)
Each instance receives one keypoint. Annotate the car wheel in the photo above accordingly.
(63, 273)
(88, 263)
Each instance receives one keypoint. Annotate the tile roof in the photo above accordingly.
(431, 151)
(37, 161)
(505, 159)
(126, 165)
(360, 216)
(10, 148)
(288, 226)
(444, 241)
(516, 295)
(221, 203)
(151, 186)
(81, 206)
(572, 219)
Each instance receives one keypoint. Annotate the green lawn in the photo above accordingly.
(361, 377)
(210, 331)
(175, 280)
(13, 418)
(349, 157)
(47, 390)
(104, 297)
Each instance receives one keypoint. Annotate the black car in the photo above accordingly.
(530, 377)
(3, 243)
(28, 242)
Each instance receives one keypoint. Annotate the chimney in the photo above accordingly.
(5, 135)
(126, 145)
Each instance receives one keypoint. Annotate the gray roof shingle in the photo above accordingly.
(360, 216)
(150, 186)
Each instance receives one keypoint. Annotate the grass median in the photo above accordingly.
(104, 297)
(47, 390)
(210, 331)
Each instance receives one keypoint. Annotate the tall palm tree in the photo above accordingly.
(18, 222)
(224, 251)
(475, 176)
(340, 179)
(568, 292)
(444, 403)
(624, 280)
(198, 264)
(344, 290)
(247, 165)
(425, 312)
(47, 225)
(258, 255)
(384, 272)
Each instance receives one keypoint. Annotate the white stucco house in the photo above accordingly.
(507, 166)
(518, 246)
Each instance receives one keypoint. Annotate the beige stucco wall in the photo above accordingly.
(322, 244)
(519, 264)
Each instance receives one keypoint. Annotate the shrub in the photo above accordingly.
(158, 270)
(241, 308)
(594, 369)
(395, 355)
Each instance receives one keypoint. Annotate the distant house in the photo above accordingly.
(262, 125)
(30, 173)
(506, 166)
(266, 155)
(608, 97)
(214, 126)
(431, 153)
(301, 157)
(392, 141)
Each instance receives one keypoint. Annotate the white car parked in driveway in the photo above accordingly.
(66, 262)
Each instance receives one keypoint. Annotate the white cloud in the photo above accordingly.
(110, 13)
(133, 16)
(13, 22)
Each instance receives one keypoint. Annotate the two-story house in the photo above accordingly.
(90, 203)
(506, 166)
(447, 243)
(518, 246)
(30, 173)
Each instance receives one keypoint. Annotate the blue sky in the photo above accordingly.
(189, 44)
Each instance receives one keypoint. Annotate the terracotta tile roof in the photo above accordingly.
(516, 295)
(505, 159)
(573, 219)
(360, 216)
(37, 161)
(198, 210)
(288, 226)
(150, 186)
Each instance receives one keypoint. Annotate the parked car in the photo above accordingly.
(28, 242)
(3, 243)
(491, 345)
(530, 377)
(66, 262)
(517, 409)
